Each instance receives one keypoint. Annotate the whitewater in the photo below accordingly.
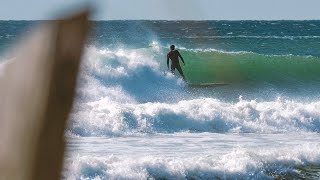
(132, 119)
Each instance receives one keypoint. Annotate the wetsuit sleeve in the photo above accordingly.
(168, 60)
(181, 57)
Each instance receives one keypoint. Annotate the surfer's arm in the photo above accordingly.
(168, 61)
(181, 58)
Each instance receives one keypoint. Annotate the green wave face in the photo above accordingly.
(250, 68)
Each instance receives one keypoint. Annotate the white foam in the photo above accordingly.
(203, 115)
(227, 162)
(116, 63)
(156, 46)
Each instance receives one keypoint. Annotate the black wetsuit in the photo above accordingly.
(174, 56)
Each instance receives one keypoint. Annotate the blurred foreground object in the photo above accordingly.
(36, 96)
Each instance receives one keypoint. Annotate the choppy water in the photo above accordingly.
(134, 120)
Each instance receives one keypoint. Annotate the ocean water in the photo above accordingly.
(133, 119)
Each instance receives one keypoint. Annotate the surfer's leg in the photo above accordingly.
(181, 72)
(173, 69)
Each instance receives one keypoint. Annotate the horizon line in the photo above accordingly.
(170, 20)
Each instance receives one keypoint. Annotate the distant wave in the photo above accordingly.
(253, 37)
(159, 47)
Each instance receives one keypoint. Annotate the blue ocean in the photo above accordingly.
(133, 119)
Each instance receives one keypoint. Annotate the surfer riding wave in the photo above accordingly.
(174, 56)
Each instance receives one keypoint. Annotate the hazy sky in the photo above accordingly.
(167, 9)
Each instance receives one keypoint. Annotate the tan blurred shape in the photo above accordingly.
(36, 96)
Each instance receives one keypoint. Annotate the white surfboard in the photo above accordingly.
(206, 85)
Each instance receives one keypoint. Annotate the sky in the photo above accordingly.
(166, 9)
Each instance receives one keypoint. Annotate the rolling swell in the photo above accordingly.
(251, 68)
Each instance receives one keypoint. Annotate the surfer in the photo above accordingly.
(174, 56)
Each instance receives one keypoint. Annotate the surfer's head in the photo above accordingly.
(172, 47)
